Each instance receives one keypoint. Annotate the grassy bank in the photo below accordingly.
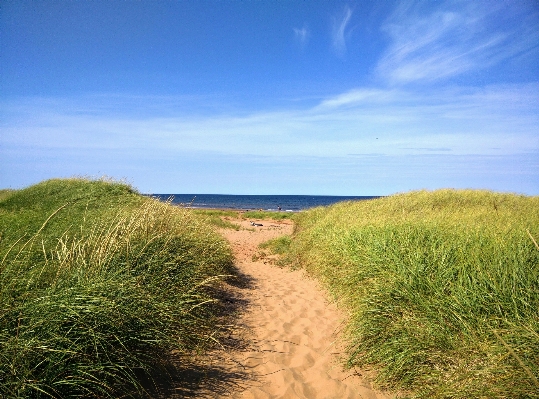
(442, 288)
(98, 285)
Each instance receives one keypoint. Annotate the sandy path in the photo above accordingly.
(290, 327)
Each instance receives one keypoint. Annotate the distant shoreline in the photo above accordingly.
(242, 210)
(266, 203)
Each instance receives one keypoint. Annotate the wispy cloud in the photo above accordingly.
(430, 149)
(429, 44)
(402, 120)
(355, 97)
(302, 35)
(442, 130)
(339, 31)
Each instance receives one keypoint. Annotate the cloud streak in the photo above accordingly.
(455, 38)
(359, 96)
(339, 31)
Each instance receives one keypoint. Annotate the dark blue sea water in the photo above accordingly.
(290, 203)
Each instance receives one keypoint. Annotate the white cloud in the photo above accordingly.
(450, 39)
(464, 120)
(339, 31)
(359, 96)
(449, 128)
(302, 35)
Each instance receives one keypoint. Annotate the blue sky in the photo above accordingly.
(272, 97)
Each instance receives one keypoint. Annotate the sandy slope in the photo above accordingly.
(288, 327)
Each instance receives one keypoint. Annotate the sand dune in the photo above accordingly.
(290, 328)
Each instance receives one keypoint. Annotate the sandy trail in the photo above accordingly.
(290, 328)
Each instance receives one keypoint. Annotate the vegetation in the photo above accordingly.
(4, 193)
(219, 218)
(98, 285)
(267, 215)
(278, 246)
(442, 288)
(217, 212)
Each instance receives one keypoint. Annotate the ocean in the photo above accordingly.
(288, 203)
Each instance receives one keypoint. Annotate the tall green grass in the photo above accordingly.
(442, 288)
(218, 218)
(277, 246)
(97, 286)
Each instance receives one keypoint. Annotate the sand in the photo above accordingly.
(288, 329)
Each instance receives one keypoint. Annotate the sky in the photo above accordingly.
(272, 97)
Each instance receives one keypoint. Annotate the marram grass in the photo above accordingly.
(442, 288)
(97, 286)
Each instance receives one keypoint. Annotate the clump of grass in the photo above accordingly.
(442, 288)
(223, 223)
(217, 212)
(267, 215)
(278, 246)
(218, 218)
(97, 286)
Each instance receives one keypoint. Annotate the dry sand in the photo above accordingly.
(287, 334)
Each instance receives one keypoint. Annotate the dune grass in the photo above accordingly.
(4, 193)
(442, 288)
(218, 218)
(267, 215)
(98, 285)
(278, 246)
